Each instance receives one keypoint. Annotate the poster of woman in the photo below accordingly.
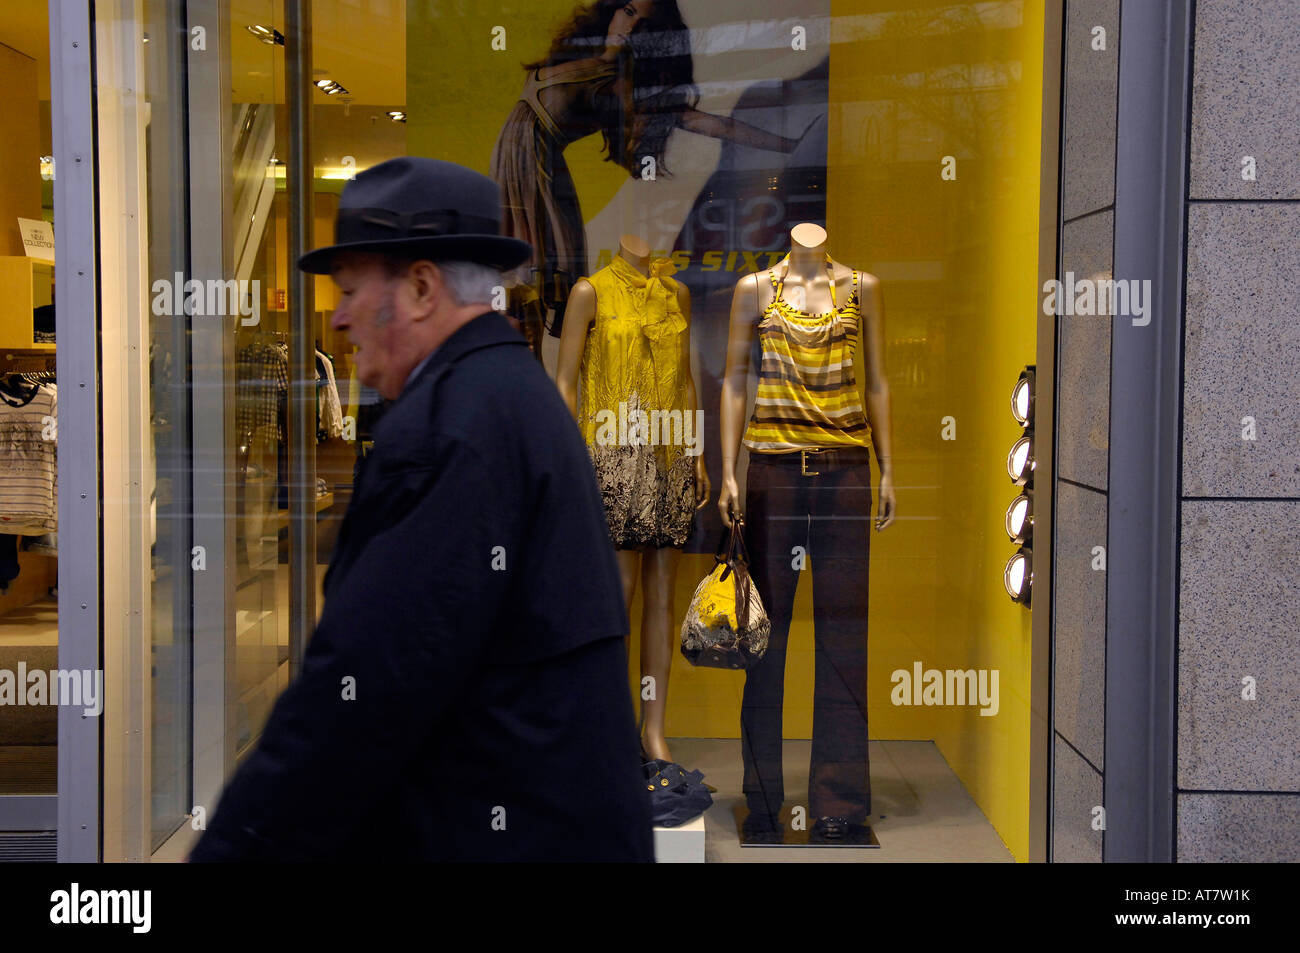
(625, 71)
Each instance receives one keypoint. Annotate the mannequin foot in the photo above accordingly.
(655, 748)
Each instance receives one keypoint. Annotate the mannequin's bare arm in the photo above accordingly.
(745, 311)
(703, 489)
(578, 316)
(876, 387)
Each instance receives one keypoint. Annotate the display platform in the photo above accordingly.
(861, 837)
(680, 845)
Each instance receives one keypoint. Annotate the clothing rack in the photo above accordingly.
(36, 368)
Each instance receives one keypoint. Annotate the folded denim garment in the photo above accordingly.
(676, 795)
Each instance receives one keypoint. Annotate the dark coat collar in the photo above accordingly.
(487, 330)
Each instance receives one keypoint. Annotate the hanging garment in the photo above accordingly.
(330, 408)
(637, 362)
(807, 386)
(28, 445)
(262, 387)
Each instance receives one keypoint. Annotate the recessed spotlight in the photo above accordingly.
(396, 115)
(1018, 577)
(268, 35)
(1020, 519)
(1021, 462)
(1022, 398)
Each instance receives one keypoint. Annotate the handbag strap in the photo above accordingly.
(738, 560)
(727, 547)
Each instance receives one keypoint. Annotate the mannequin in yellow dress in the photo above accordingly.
(626, 340)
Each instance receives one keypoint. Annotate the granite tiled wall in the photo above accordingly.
(1239, 586)
(1082, 428)
(1076, 796)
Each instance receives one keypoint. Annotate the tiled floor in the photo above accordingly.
(921, 811)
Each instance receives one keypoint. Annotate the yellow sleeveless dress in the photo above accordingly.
(632, 408)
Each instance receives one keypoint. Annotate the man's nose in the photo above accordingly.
(339, 319)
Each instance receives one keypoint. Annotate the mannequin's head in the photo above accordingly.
(396, 311)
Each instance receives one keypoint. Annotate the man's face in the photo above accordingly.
(375, 312)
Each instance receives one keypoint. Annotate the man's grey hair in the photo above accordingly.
(468, 281)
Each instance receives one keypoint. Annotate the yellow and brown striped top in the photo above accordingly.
(807, 386)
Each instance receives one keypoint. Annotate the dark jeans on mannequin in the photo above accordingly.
(829, 514)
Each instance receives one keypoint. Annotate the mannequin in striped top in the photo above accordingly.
(822, 404)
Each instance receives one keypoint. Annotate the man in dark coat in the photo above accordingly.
(465, 694)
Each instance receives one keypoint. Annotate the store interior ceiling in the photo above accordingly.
(360, 45)
(25, 27)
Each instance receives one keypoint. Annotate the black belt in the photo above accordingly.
(813, 462)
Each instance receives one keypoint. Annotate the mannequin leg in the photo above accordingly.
(773, 505)
(839, 780)
(629, 565)
(658, 577)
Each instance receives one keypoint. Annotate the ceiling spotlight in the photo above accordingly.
(268, 35)
(1022, 398)
(1018, 577)
(1020, 461)
(1020, 519)
(396, 115)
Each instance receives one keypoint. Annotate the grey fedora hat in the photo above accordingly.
(422, 207)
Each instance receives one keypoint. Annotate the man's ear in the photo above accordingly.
(426, 287)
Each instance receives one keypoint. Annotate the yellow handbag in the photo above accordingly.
(726, 625)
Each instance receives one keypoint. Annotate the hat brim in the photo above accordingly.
(495, 250)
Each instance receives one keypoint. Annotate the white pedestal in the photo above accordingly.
(680, 845)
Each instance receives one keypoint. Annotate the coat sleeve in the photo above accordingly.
(402, 634)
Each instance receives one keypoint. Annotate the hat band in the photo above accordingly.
(381, 224)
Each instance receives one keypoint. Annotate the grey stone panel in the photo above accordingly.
(1242, 349)
(1245, 99)
(1238, 828)
(1076, 795)
(1239, 619)
(1088, 180)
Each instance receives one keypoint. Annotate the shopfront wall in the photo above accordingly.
(921, 136)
